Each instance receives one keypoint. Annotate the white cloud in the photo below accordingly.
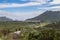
(20, 16)
(37, 2)
(55, 7)
(40, 1)
(18, 5)
(55, 2)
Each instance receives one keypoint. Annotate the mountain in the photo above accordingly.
(5, 19)
(50, 16)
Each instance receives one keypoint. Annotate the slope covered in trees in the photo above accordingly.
(50, 16)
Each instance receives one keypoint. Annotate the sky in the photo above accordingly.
(25, 9)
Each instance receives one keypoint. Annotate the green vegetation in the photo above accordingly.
(50, 16)
(29, 31)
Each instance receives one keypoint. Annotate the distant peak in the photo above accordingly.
(50, 16)
(4, 18)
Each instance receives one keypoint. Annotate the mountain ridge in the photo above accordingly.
(50, 16)
(5, 19)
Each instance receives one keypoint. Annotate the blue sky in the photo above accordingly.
(24, 9)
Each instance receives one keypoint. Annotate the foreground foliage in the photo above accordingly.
(28, 31)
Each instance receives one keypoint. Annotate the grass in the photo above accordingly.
(29, 31)
(0, 38)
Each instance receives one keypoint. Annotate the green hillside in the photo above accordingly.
(50, 16)
(5, 19)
